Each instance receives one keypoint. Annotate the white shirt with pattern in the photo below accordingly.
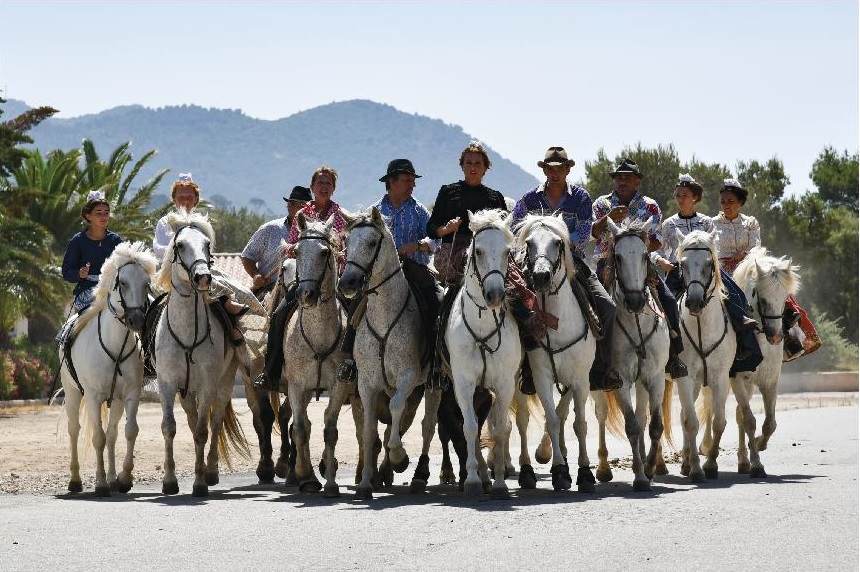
(737, 236)
(264, 247)
(685, 225)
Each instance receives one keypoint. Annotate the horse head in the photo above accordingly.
(697, 259)
(124, 283)
(775, 280)
(366, 234)
(630, 257)
(546, 247)
(192, 243)
(315, 260)
(488, 254)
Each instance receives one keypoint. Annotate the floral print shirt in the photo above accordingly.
(737, 236)
(641, 208)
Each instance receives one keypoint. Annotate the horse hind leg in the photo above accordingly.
(432, 398)
(264, 420)
(330, 436)
(746, 420)
(99, 439)
(527, 479)
(768, 394)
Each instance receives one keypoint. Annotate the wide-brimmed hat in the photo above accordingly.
(733, 186)
(627, 166)
(556, 156)
(300, 194)
(398, 166)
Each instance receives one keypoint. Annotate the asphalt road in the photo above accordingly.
(804, 516)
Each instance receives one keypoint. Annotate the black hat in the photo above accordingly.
(398, 166)
(733, 186)
(299, 193)
(556, 156)
(627, 166)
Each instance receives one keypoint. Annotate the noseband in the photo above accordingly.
(475, 270)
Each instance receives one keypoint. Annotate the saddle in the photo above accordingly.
(582, 293)
(147, 336)
(66, 337)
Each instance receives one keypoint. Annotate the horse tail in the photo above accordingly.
(614, 416)
(667, 412)
(232, 437)
(703, 406)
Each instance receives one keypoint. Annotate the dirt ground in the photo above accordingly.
(34, 448)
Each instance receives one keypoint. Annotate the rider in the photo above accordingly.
(323, 186)
(450, 222)
(88, 249)
(407, 219)
(574, 204)
(626, 201)
(261, 257)
(687, 194)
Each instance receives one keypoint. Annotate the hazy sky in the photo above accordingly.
(720, 80)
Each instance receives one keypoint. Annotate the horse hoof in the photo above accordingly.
(662, 470)
(641, 486)
(447, 477)
(400, 466)
(500, 493)
(363, 493)
(472, 488)
(310, 486)
(585, 480)
(211, 479)
(331, 491)
(123, 486)
(103, 491)
(486, 486)
(697, 477)
(604, 475)
(170, 488)
(417, 486)
(685, 469)
(386, 475)
(527, 478)
(744, 468)
(76, 487)
(712, 473)
(758, 473)
(200, 491)
(265, 471)
(422, 471)
(282, 467)
(561, 480)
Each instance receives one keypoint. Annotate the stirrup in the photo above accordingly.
(347, 372)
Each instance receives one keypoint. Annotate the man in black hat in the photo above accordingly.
(407, 219)
(261, 257)
(626, 201)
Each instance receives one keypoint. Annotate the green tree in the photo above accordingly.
(836, 176)
(13, 135)
(233, 227)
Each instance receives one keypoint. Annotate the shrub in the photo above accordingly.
(27, 371)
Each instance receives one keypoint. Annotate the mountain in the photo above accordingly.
(242, 161)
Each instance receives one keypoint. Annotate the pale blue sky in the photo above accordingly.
(720, 80)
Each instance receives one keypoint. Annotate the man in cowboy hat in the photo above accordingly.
(573, 202)
(261, 257)
(626, 201)
(407, 219)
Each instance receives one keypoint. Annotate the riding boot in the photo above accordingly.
(271, 377)
(674, 367)
(437, 378)
(348, 372)
(602, 375)
(527, 382)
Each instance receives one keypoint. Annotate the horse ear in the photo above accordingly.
(329, 223)
(613, 228)
(508, 220)
(758, 269)
(301, 221)
(376, 216)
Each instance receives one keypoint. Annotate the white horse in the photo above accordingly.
(312, 350)
(767, 281)
(709, 349)
(566, 354)
(484, 344)
(194, 356)
(106, 355)
(388, 351)
(640, 349)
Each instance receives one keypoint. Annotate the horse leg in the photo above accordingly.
(73, 407)
(562, 409)
(690, 465)
(299, 399)
(264, 419)
(432, 398)
(635, 434)
(527, 478)
(339, 394)
(706, 417)
(718, 425)
(124, 480)
(197, 421)
(561, 480)
(169, 484)
(601, 411)
(446, 472)
(99, 438)
(397, 406)
(745, 415)
(584, 476)
(655, 427)
(500, 429)
(465, 391)
(742, 384)
(358, 418)
(364, 490)
(768, 389)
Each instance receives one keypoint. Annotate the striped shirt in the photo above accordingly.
(408, 224)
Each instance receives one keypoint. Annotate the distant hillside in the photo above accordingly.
(249, 162)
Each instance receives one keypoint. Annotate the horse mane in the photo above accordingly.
(490, 217)
(552, 223)
(124, 253)
(702, 239)
(317, 228)
(635, 227)
(777, 271)
(178, 220)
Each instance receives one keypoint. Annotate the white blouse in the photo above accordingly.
(685, 225)
(737, 236)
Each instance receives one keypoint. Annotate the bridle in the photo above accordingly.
(177, 255)
(125, 307)
(554, 265)
(329, 262)
(619, 281)
(709, 287)
(367, 271)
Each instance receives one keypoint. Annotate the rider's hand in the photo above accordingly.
(84, 271)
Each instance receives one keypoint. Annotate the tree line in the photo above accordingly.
(41, 196)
